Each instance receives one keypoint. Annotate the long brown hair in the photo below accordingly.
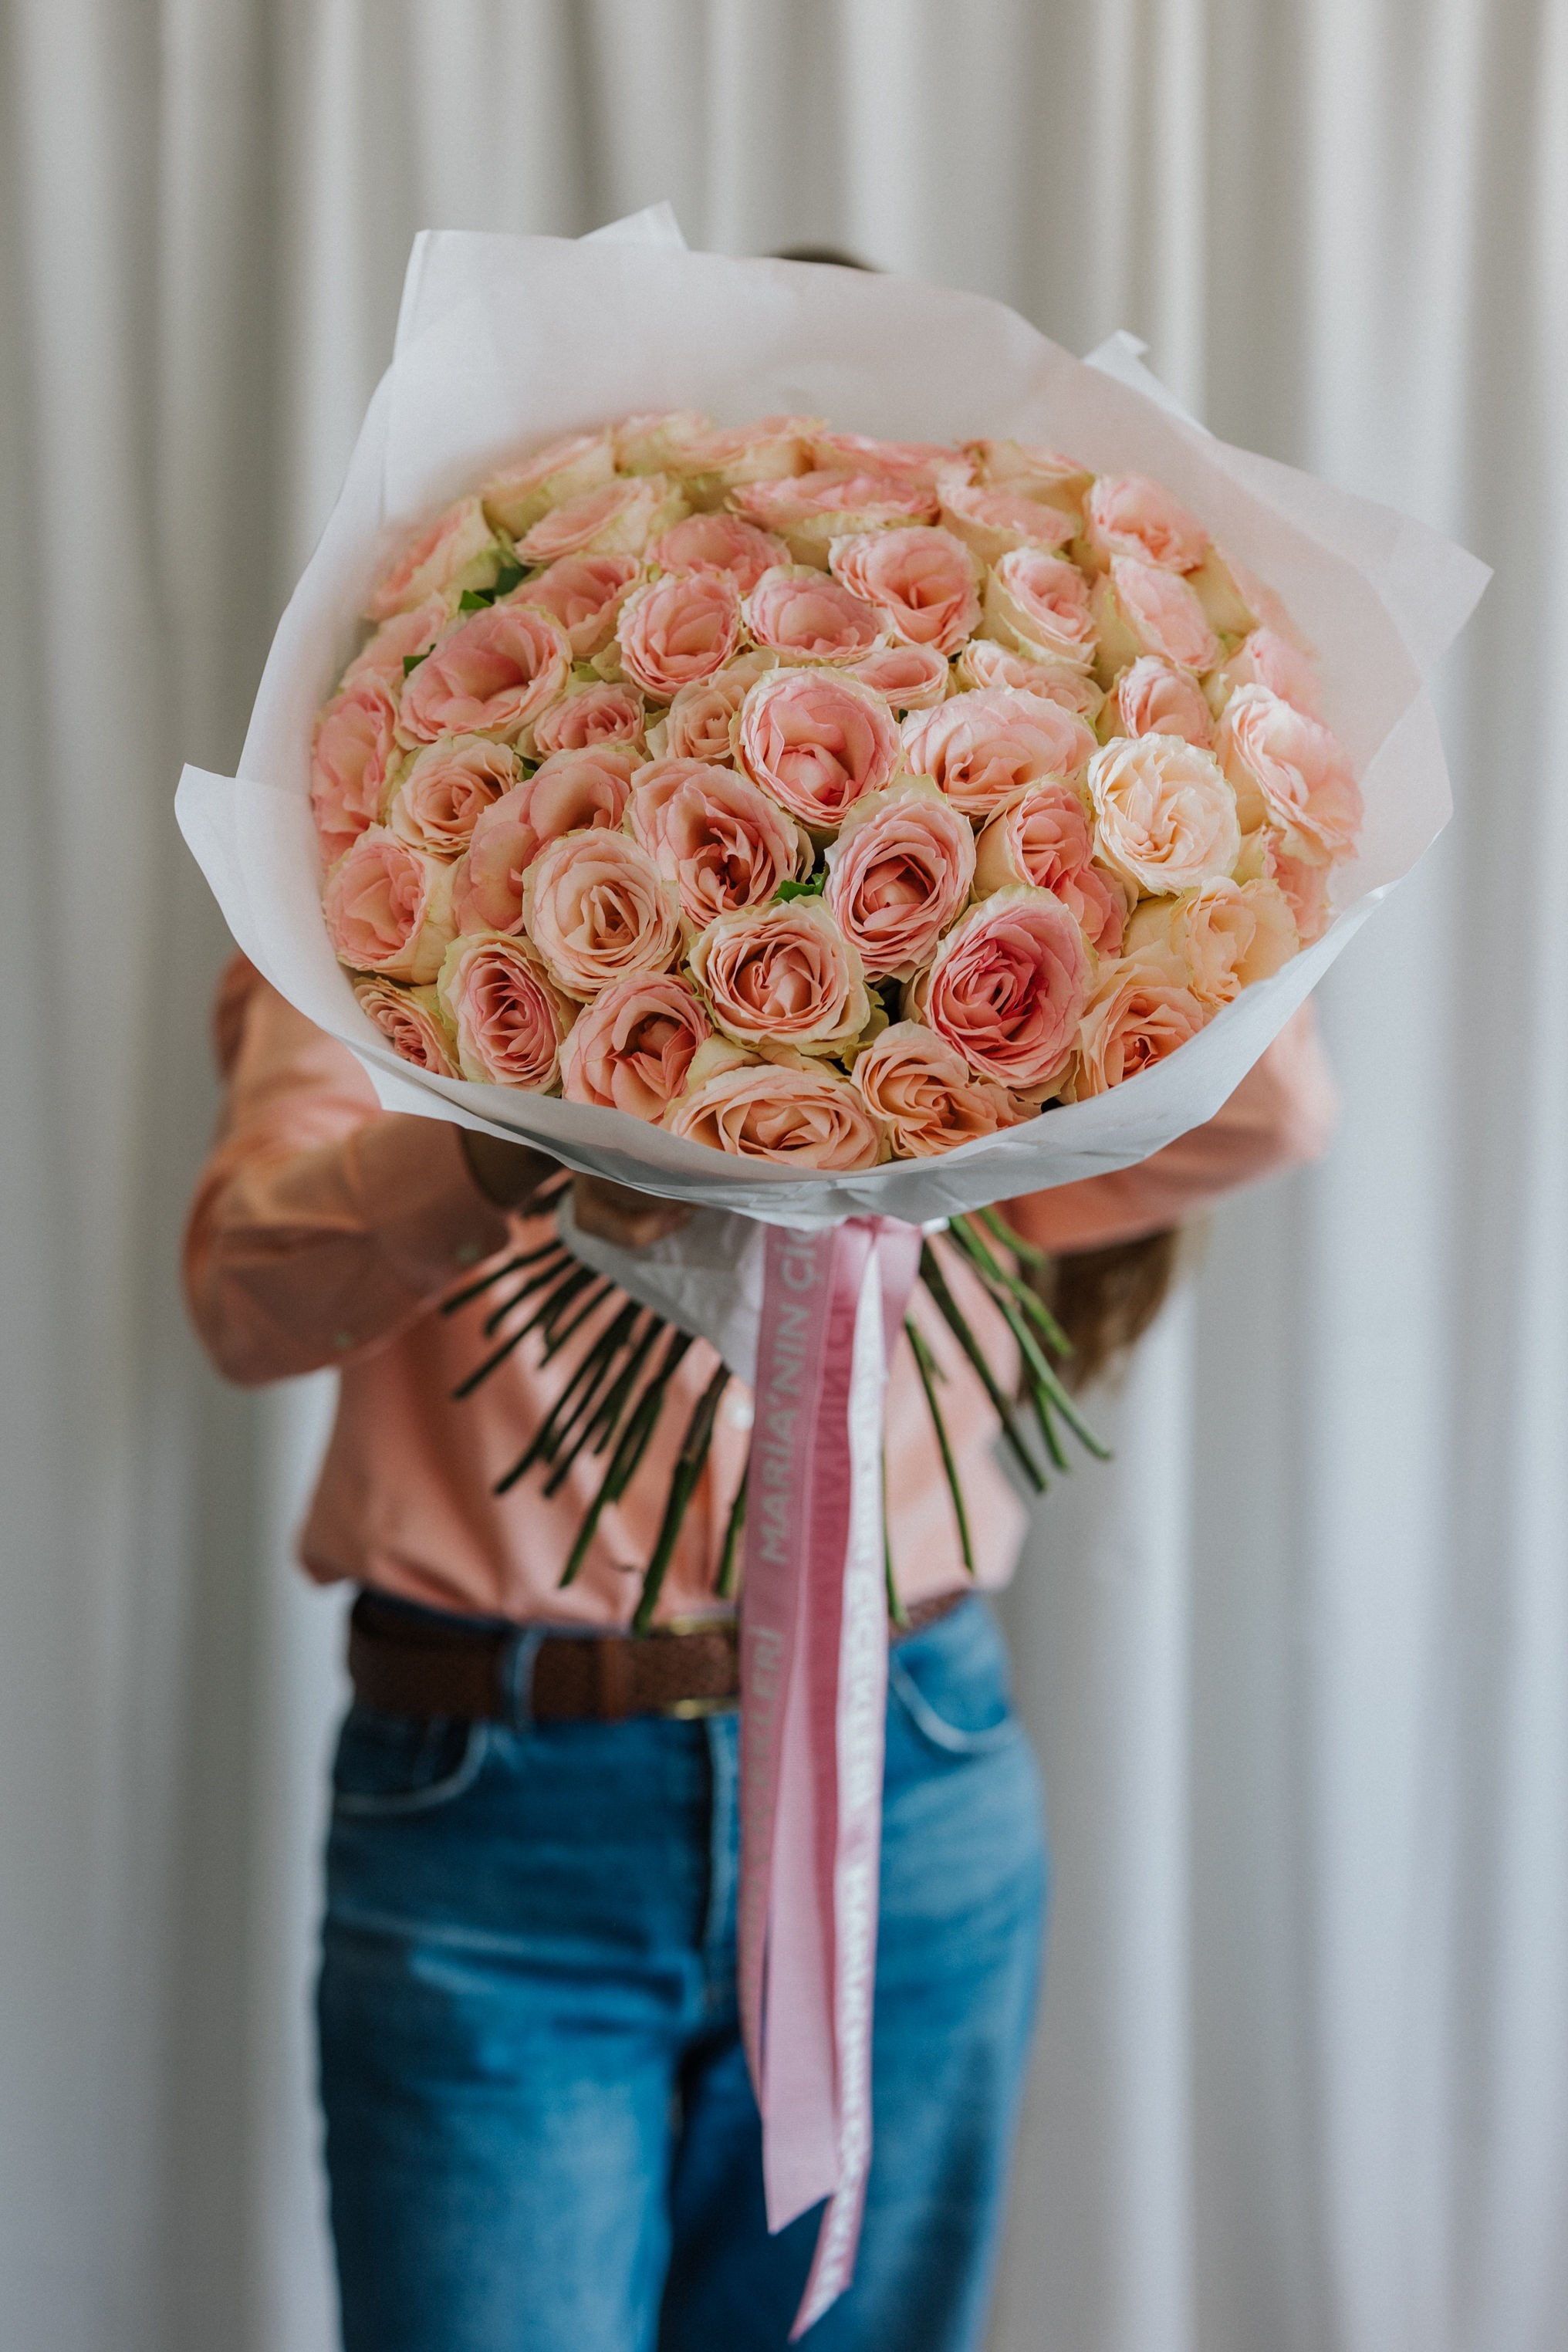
(1105, 1299)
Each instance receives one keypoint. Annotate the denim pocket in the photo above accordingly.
(952, 1683)
(387, 1765)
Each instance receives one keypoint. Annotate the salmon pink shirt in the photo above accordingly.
(326, 1231)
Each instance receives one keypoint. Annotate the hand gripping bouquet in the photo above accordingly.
(722, 740)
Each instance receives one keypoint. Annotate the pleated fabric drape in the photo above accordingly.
(1298, 1663)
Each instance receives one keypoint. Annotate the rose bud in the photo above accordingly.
(679, 629)
(713, 834)
(459, 550)
(587, 716)
(815, 741)
(509, 1019)
(801, 615)
(354, 751)
(1165, 816)
(1140, 609)
(493, 676)
(630, 1050)
(617, 519)
(1156, 697)
(1038, 605)
(992, 522)
(440, 797)
(982, 748)
(411, 1021)
(1289, 772)
(584, 593)
(794, 1113)
(924, 1093)
(571, 792)
(719, 542)
(388, 909)
(899, 874)
(782, 975)
(1007, 989)
(923, 581)
(1127, 514)
(1040, 840)
(909, 677)
(1224, 935)
(597, 909)
(515, 499)
(1140, 1011)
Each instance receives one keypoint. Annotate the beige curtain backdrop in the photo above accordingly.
(1297, 1666)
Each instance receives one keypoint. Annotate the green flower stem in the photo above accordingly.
(601, 1418)
(1018, 1286)
(556, 1339)
(1026, 1252)
(688, 1470)
(730, 1557)
(1010, 1298)
(552, 1272)
(570, 1285)
(629, 1450)
(952, 1316)
(588, 1377)
(473, 1290)
(931, 1372)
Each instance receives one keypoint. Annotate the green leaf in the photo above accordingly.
(509, 577)
(412, 661)
(476, 600)
(810, 888)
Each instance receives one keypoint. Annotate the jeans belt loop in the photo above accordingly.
(515, 1671)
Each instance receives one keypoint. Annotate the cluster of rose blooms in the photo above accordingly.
(823, 799)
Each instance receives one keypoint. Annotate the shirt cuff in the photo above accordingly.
(418, 1197)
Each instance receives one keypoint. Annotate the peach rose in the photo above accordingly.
(802, 616)
(982, 748)
(1007, 989)
(899, 874)
(719, 542)
(458, 550)
(1140, 1011)
(816, 742)
(660, 441)
(410, 1019)
(769, 449)
(910, 678)
(354, 746)
(405, 636)
(515, 499)
(493, 676)
(1224, 935)
(1140, 609)
(617, 519)
(598, 909)
(679, 629)
(924, 1093)
(1033, 472)
(1264, 858)
(812, 510)
(631, 1048)
(927, 463)
(1289, 772)
(590, 715)
(1266, 658)
(584, 593)
(699, 723)
(782, 975)
(509, 1018)
(388, 909)
(992, 522)
(1127, 514)
(983, 663)
(797, 1114)
(923, 581)
(1038, 605)
(571, 792)
(1040, 840)
(1156, 697)
(722, 843)
(1165, 816)
(442, 794)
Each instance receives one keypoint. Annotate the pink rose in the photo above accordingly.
(584, 593)
(1033, 472)
(1139, 1013)
(388, 909)
(353, 747)
(1038, 605)
(660, 441)
(982, 748)
(769, 449)
(802, 616)
(899, 874)
(1156, 697)
(1040, 840)
(508, 1017)
(1305, 887)
(1266, 658)
(722, 842)
(1224, 936)
(801, 1117)
(493, 676)
(812, 510)
(910, 678)
(926, 463)
(598, 909)
(590, 715)
(921, 581)
(681, 629)
(617, 519)
(571, 792)
(1140, 609)
(816, 741)
(446, 789)
(410, 1019)
(631, 1048)
(1165, 816)
(782, 975)
(515, 499)
(924, 1093)
(1127, 514)
(984, 664)
(1290, 771)
(698, 724)
(399, 639)
(719, 542)
(458, 550)
(1008, 988)
(992, 522)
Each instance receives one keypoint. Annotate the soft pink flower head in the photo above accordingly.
(584, 593)
(1141, 609)
(631, 1049)
(1305, 887)
(493, 676)
(1127, 514)
(458, 550)
(783, 974)
(598, 909)
(400, 639)
(926, 463)
(801, 615)
(1034, 472)
(1224, 936)
(571, 792)
(719, 542)
(1008, 987)
(923, 581)
(816, 741)
(1290, 770)
(733, 456)
(410, 1019)
(1165, 816)
(699, 722)
(722, 842)
(793, 1115)
(909, 677)
(354, 746)
(444, 790)
(508, 1017)
(1038, 605)
(617, 519)
(924, 1093)
(515, 499)
(388, 909)
(812, 510)
(899, 874)
(1154, 697)
(1266, 658)
(678, 630)
(660, 441)
(992, 522)
(984, 664)
(984, 747)
(589, 715)
(1040, 840)
(1139, 1011)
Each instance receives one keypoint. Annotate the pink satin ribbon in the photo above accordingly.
(813, 1678)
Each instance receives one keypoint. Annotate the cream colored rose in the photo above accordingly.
(992, 522)
(437, 799)
(1140, 1011)
(508, 1017)
(984, 664)
(1127, 514)
(698, 724)
(1266, 658)
(1226, 935)
(811, 510)
(458, 550)
(925, 1093)
(412, 1023)
(515, 499)
(1156, 697)
(661, 442)
(1037, 473)
(730, 460)
(1140, 609)
(786, 1109)
(908, 678)
(1289, 772)
(783, 974)
(1165, 816)
(597, 909)
(1264, 857)
(388, 909)
(618, 518)
(1039, 606)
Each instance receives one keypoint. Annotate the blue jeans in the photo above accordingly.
(541, 2136)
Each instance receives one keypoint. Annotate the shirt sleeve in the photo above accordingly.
(321, 1225)
(1280, 1114)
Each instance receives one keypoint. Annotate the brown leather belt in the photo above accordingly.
(408, 1662)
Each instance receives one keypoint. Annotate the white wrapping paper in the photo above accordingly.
(504, 342)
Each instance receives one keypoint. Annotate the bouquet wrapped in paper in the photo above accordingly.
(720, 739)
